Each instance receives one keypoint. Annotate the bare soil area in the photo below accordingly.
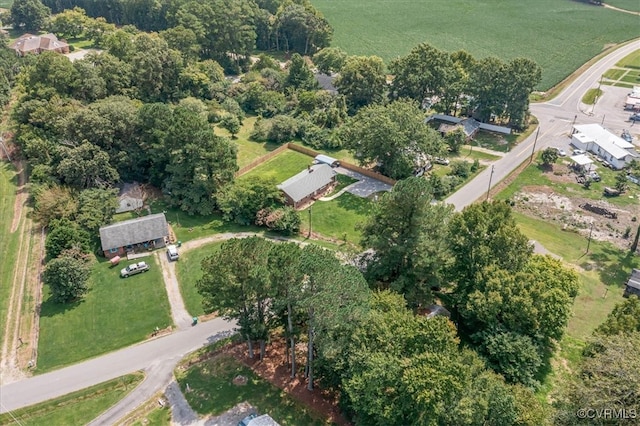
(605, 221)
(274, 368)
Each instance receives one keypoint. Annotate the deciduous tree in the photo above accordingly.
(30, 15)
(241, 201)
(362, 81)
(67, 277)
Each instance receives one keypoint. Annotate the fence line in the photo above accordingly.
(312, 153)
(261, 160)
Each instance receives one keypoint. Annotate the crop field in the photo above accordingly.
(558, 34)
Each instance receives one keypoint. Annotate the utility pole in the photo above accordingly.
(589, 240)
(533, 151)
(490, 177)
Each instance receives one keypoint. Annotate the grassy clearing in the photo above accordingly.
(115, 313)
(467, 153)
(632, 60)
(495, 141)
(590, 97)
(157, 417)
(281, 167)
(75, 408)
(631, 77)
(625, 85)
(248, 150)
(614, 74)
(10, 241)
(338, 218)
(189, 271)
(212, 392)
(560, 38)
(338, 154)
(6, 4)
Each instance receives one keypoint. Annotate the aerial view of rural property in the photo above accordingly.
(319, 212)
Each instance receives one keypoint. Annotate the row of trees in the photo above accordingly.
(226, 30)
(389, 366)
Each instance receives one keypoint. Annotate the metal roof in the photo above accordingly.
(307, 181)
(581, 159)
(142, 229)
(321, 158)
(614, 145)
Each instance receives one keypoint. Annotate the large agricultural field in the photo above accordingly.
(560, 35)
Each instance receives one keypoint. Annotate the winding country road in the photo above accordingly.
(158, 357)
(555, 119)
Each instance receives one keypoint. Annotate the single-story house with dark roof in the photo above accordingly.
(143, 233)
(308, 185)
(36, 44)
(633, 285)
(470, 126)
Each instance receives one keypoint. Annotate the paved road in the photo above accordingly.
(156, 357)
(556, 118)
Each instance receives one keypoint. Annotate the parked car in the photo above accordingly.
(578, 152)
(134, 269)
(634, 118)
(626, 136)
(443, 161)
(594, 176)
(172, 252)
(561, 152)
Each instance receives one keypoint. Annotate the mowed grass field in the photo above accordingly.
(115, 313)
(632, 5)
(189, 271)
(9, 241)
(559, 35)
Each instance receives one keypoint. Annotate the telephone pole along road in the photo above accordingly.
(555, 117)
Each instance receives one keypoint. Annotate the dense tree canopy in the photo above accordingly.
(67, 277)
(406, 234)
(394, 137)
(30, 15)
(362, 81)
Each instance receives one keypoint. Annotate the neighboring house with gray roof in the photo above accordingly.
(633, 285)
(308, 185)
(37, 44)
(143, 233)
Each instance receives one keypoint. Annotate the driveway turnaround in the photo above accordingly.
(365, 185)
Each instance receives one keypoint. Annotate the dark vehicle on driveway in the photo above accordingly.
(634, 118)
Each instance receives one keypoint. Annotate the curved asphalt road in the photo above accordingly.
(555, 119)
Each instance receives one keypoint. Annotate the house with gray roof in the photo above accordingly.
(633, 285)
(308, 185)
(143, 233)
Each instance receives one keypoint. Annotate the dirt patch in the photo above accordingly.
(569, 212)
(274, 368)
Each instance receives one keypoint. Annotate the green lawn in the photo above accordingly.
(632, 5)
(614, 74)
(632, 60)
(631, 77)
(558, 34)
(282, 166)
(467, 153)
(9, 241)
(6, 4)
(338, 218)
(343, 182)
(338, 154)
(115, 313)
(590, 96)
(75, 408)
(212, 392)
(495, 141)
(248, 150)
(189, 271)
(157, 417)
(534, 175)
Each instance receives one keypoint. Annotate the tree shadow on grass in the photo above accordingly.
(354, 203)
(614, 266)
(51, 308)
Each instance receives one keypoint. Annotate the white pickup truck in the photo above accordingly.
(136, 268)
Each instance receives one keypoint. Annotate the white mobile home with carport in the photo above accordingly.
(601, 142)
